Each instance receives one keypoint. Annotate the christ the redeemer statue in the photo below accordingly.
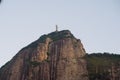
(56, 28)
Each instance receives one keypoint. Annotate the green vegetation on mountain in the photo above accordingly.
(54, 36)
(103, 66)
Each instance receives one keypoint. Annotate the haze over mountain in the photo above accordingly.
(95, 22)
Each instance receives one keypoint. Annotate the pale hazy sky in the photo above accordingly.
(95, 22)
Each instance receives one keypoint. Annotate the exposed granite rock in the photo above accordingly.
(56, 56)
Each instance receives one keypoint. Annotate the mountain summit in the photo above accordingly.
(55, 56)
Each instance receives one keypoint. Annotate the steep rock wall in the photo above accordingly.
(54, 58)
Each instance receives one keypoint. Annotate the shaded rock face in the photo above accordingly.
(56, 56)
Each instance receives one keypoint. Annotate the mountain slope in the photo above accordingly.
(103, 66)
(55, 56)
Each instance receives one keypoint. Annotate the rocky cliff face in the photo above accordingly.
(56, 56)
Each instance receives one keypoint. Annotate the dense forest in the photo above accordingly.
(103, 66)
